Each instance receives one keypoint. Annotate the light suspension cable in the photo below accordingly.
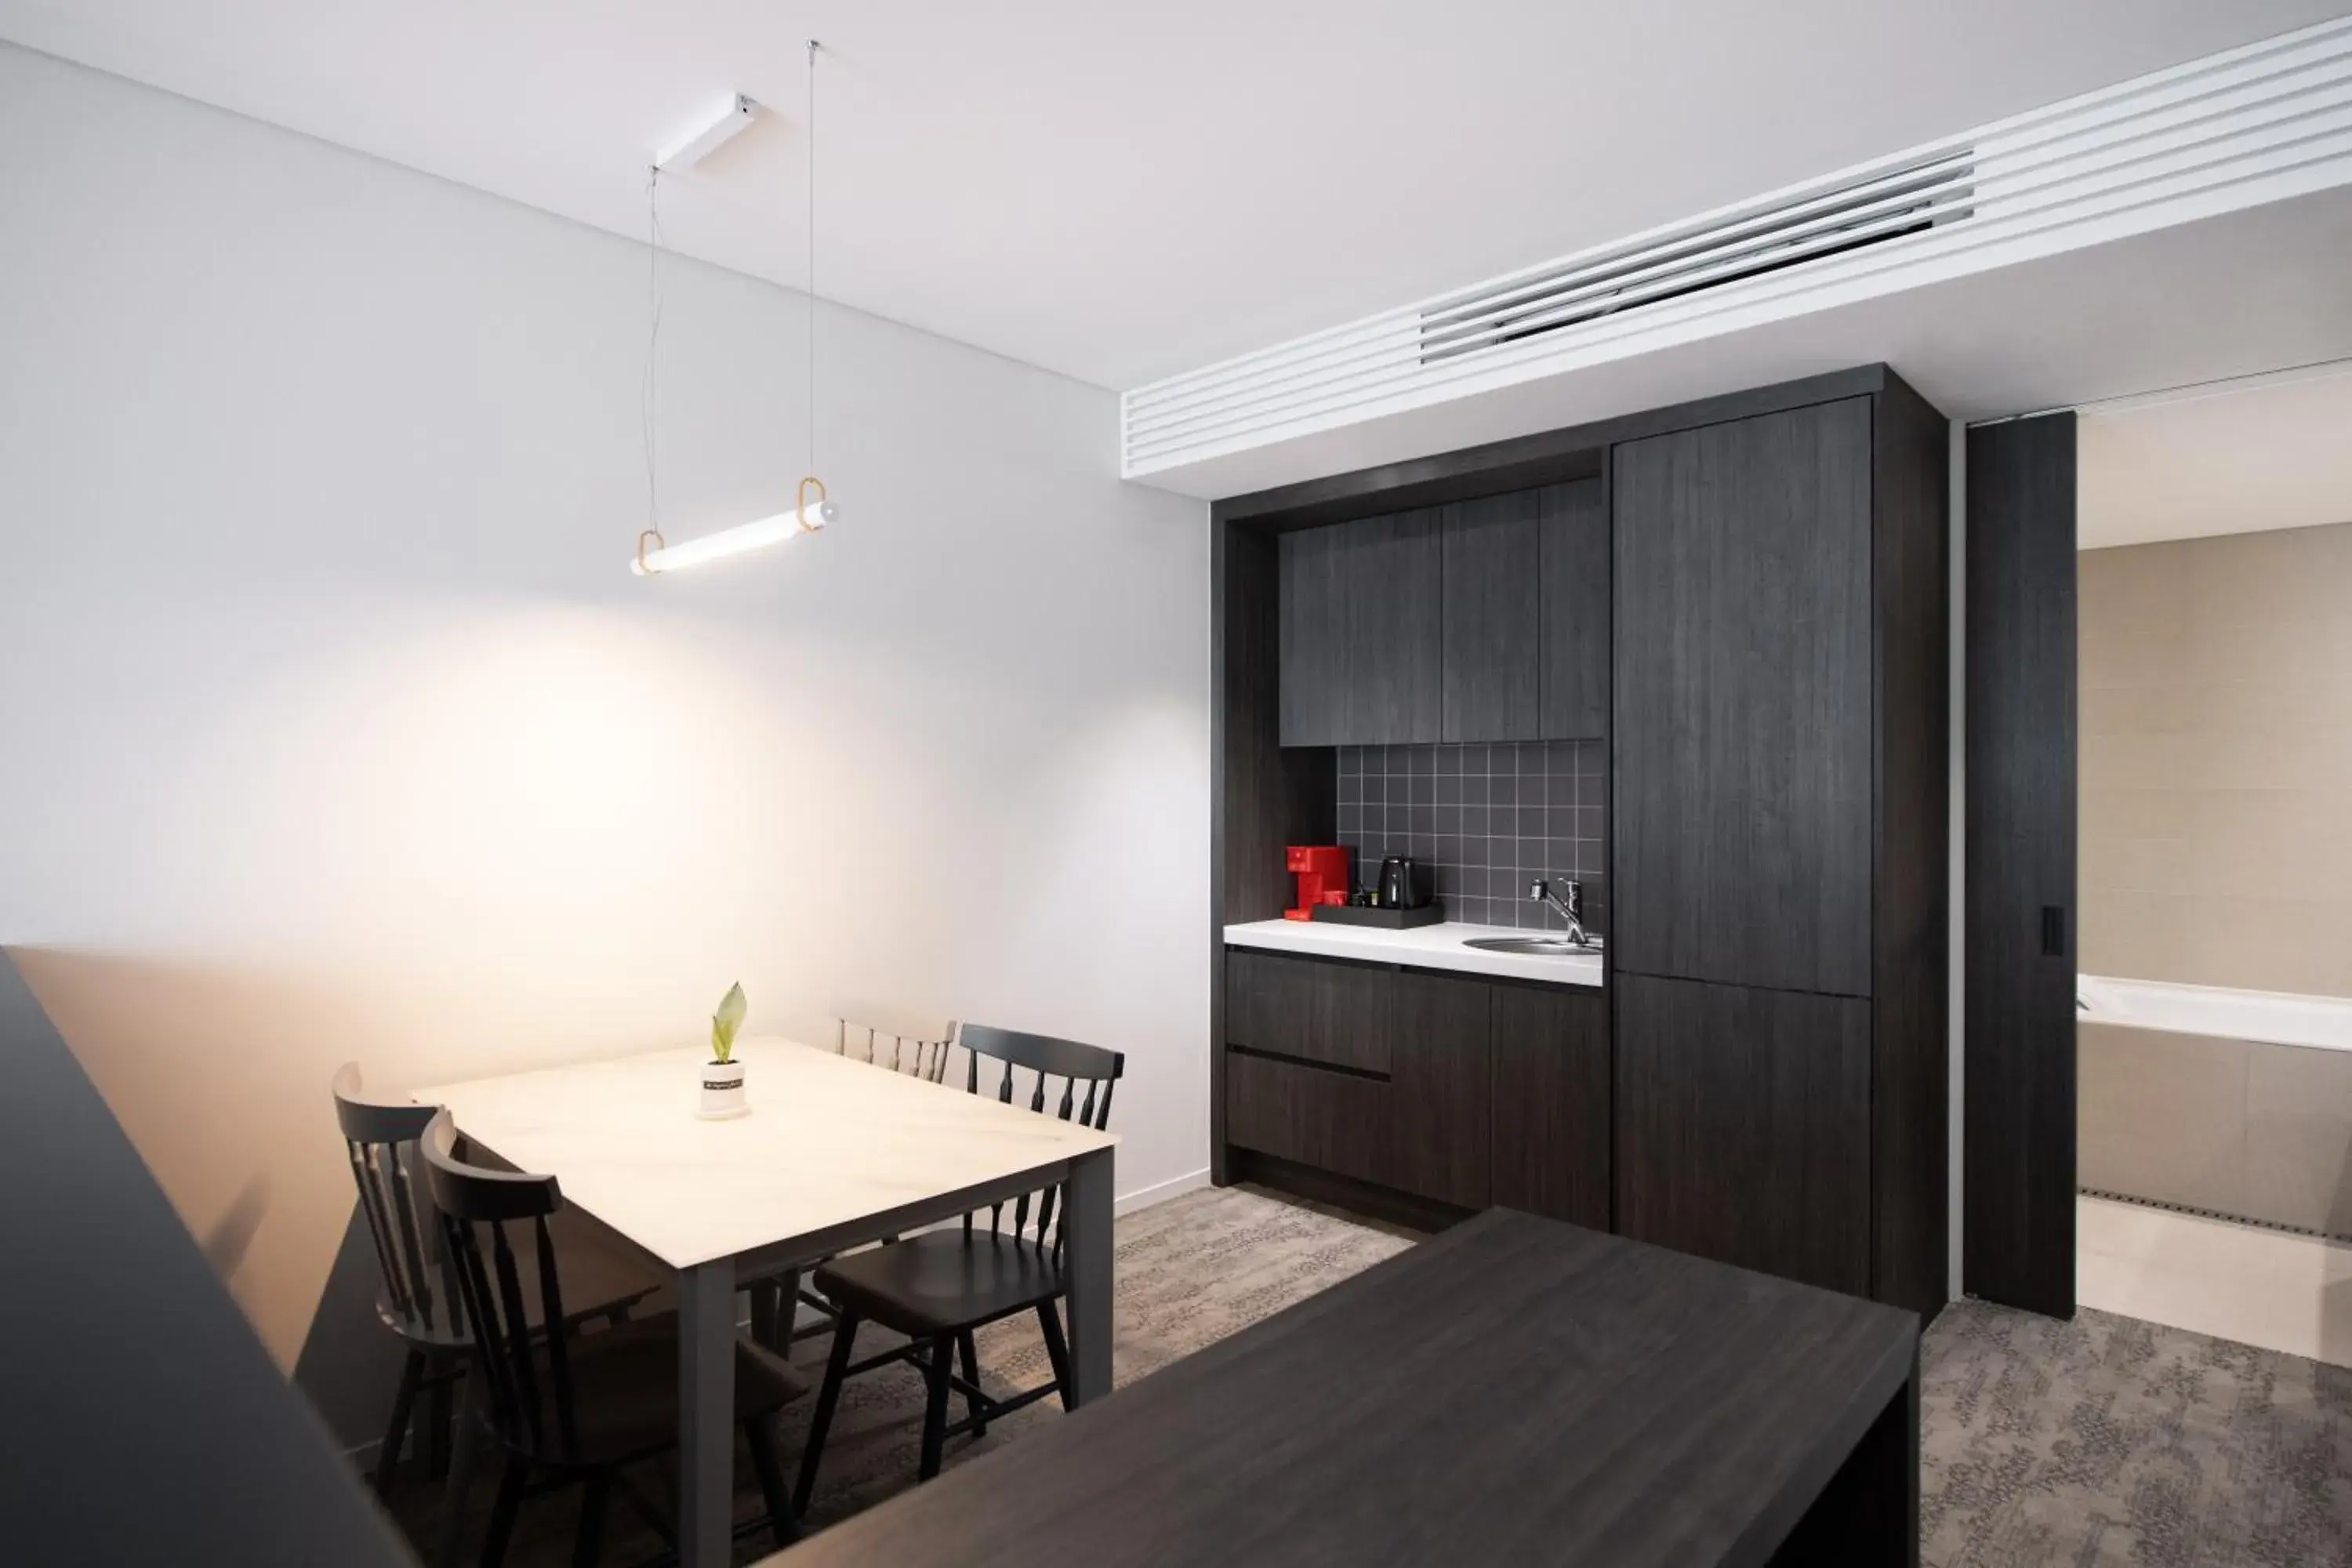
(811, 511)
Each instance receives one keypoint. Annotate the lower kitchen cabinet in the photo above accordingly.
(1743, 1126)
(1551, 1103)
(1315, 1009)
(1333, 1122)
(1439, 1085)
(1439, 1094)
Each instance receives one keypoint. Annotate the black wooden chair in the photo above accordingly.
(568, 1405)
(879, 1034)
(937, 1286)
(901, 1039)
(416, 1298)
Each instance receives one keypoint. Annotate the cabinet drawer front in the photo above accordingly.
(1333, 1122)
(1309, 1008)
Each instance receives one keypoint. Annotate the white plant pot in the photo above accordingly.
(722, 1091)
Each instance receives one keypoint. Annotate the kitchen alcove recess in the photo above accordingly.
(1748, 597)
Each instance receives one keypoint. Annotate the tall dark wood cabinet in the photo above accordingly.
(1778, 745)
(1743, 734)
(1746, 1117)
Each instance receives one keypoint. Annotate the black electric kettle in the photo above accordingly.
(1399, 883)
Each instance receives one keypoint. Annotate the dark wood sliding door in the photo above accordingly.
(2018, 1222)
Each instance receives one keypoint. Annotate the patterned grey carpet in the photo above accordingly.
(2112, 1441)
(1190, 1272)
(2104, 1441)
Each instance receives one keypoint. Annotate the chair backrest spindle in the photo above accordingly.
(1047, 1058)
(901, 1039)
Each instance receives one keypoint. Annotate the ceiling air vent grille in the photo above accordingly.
(1872, 209)
(2263, 123)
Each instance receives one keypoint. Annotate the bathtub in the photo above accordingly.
(2236, 1104)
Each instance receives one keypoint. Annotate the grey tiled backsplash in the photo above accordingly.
(1483, 821)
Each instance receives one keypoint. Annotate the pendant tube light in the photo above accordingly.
(811, 510)
(806, 517)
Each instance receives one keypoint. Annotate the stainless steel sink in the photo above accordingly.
(1534, 946)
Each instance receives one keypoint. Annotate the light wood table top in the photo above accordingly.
(829, 1142)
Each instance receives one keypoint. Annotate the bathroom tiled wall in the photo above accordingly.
(1483, 821)
(2216, 765)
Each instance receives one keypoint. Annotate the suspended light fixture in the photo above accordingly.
(811, 511)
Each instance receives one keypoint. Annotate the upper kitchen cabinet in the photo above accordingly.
(1394, 570)
(1312, 658)
(1572, 583)
(1744, 734)
(1484, 620)
(1359, 656)
(1491, 670)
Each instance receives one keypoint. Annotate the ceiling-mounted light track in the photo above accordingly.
(810, 513)
(717, 130)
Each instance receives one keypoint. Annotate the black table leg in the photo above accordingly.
(1869, 1514)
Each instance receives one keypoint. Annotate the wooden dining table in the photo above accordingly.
(1516, 1392)
(834, 1153)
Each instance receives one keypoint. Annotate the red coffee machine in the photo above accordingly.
(1322, 873)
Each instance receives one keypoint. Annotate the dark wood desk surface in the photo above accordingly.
(1514, 1391)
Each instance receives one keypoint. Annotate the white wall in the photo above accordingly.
(335, 725)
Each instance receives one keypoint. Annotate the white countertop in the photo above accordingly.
(1424, 947)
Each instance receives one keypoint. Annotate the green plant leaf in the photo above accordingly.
(726, 1021)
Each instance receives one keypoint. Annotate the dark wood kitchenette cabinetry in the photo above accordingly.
(1493, 550)
(1360, 644)
(1449, 1088)
(1551, 1127)
(1781, 670)
(1746, 599)
(1487, 620)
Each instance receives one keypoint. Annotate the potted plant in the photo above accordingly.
(723, 1077)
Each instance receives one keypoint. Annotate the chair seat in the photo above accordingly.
(942, 1280)
(624, 1389)
(597, 1279)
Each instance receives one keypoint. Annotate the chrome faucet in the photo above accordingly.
(1570, 906)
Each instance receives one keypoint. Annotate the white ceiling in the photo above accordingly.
(2278, 455)
(1120, 192)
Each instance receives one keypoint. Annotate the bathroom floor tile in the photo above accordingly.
(2281, 1292)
